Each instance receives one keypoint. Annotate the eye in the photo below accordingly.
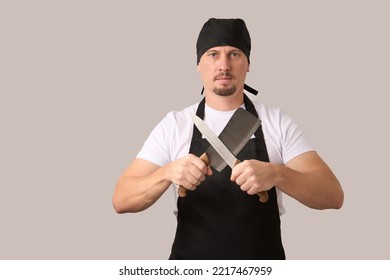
(235, 54)
(212, 54)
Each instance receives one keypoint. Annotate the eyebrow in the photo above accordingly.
(211, 50)
(232, 50)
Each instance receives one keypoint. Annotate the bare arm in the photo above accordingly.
(307, 178)
(143, 183)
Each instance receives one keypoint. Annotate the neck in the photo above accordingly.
(224, 103)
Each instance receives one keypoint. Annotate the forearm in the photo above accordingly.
(318, 189)
(136, 193)
(306, 178)
(144, 182)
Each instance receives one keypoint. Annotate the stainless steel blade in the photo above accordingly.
(214, 141)
(223, 151)
(240, 128)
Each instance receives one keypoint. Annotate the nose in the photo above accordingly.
(224, 63)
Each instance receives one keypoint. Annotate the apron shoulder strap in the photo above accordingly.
(249, 106)
(195, 132)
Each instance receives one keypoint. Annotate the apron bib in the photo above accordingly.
(218, 220)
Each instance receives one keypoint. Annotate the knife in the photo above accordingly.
(220, 147)
(240, 128)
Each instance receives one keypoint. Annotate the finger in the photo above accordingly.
(237, 171)
(190, 182)
(197, 173)
(249, 187)
(252, 190)
(209, 170)
(242, 178)
(195, 177)
(200, 164)
(245, 187)
(187, 184)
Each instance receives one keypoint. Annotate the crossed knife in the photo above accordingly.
(233, 138)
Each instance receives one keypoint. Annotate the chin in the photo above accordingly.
(225, 91)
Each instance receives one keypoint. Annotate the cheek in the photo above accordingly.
(243, 74)
(204, 76)
(206, 70)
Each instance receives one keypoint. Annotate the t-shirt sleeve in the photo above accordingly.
(156, 148)
(293, 139)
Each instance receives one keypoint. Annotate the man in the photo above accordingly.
(221, 217)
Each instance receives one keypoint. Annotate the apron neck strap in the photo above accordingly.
(248, 105)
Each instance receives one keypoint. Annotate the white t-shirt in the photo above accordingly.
(171, 138)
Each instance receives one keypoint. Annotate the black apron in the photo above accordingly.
(219, 221)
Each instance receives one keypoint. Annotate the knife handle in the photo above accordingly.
(182, 190)
(263, 196)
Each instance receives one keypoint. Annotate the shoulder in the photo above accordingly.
(268, 114)
(273, 116)
(181, 117)
(175, 120)
(176, 126)
(170, 137)
(282, 134)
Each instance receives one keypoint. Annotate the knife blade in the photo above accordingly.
(240, 128)
(222, 150)
(241, 121)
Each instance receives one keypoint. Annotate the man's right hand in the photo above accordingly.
(144, 182)
(188, 171)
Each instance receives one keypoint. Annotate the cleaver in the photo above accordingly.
(233, 138)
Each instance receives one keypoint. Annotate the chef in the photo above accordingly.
(221, 217)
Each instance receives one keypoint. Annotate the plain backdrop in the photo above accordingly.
(83, 83)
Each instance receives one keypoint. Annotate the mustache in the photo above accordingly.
(224, 75)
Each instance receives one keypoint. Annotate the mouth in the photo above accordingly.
(223, 78)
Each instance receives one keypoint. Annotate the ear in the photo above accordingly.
(248, 68)
(197, 67)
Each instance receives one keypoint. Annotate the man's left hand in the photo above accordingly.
(254, 176)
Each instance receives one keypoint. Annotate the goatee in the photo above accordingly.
(225, 91)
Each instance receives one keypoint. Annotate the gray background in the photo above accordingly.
(83, 83)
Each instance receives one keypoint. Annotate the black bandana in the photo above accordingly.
(223, 32)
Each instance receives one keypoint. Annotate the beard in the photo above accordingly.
(225, 91)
